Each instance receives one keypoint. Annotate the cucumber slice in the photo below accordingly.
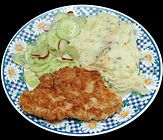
(44, 52)
(57, 18)
(31, 79)
(28, 57)
(52, 40)
(43, 61)
(62, 44)
(41, 48)
(71, 50)
(55, 65)
(35, 50)
(64, 64)
(67, 29)
(39, 51)
(53, 52)
(47, 70)
(38, 68)
(41, 41)
(60, 16)
(80, 20)
(77, 63)
(19, 59)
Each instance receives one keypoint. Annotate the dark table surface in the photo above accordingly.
(14, 14)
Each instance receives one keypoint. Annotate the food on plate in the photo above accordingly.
(81, 67)
(71, 93)
(51, 50)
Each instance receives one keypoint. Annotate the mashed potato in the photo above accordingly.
(109, 45)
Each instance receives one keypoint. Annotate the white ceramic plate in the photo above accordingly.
(133, 106)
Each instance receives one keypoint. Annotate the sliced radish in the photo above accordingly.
(35, 54)
(70, 12)
(67, 57)
(62, 44)
(44, 56)
(70, 59)
(46, 28)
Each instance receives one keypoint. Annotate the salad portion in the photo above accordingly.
(51, 50)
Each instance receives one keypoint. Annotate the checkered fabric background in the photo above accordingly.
(26, 34)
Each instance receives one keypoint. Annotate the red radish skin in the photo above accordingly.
(70, 59)
(44, 56)
(35, 54)
(70, 12)
(45, 28)
(59, 44)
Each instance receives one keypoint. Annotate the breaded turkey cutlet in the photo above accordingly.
(71, 93)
